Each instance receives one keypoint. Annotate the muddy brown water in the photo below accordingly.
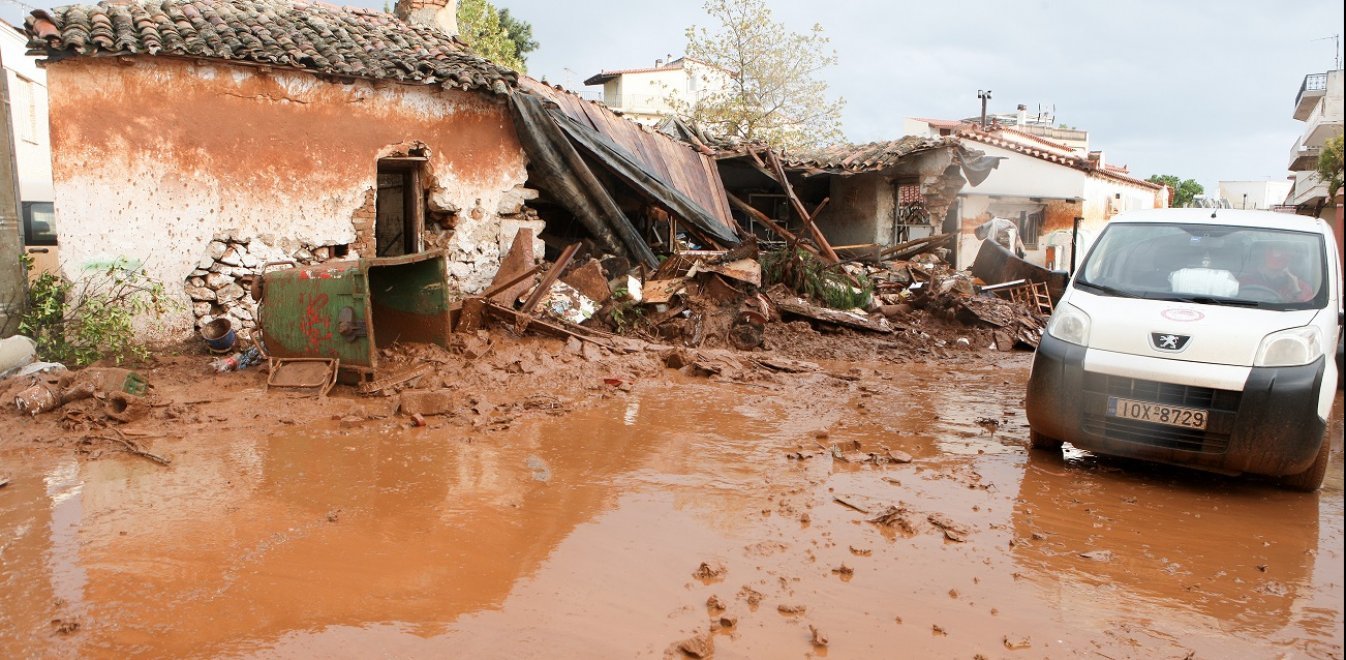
(579, 535)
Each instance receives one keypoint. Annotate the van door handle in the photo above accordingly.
(38, 250)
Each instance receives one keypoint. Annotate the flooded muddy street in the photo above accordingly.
(860, 510)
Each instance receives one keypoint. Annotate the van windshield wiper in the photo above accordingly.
(1108, 290)
(1212, 300)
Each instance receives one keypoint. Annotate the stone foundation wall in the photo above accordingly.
(221, 284)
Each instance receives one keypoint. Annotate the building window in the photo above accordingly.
(1030, 228)
(39, 224)
(25, 109)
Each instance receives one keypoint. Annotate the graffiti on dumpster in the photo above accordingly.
(315, 325)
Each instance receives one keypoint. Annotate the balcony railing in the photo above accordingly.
(1314, 82)
(1313, 88)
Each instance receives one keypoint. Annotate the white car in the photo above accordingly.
(1198, 337)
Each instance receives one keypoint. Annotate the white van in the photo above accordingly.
(1199, 337)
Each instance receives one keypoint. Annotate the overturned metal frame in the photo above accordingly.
(276, 365)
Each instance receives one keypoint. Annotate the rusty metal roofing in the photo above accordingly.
(870, 157)
(345, 42)
(679, 165)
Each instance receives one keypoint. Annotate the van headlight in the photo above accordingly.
(1071, 324)
(1290, 348)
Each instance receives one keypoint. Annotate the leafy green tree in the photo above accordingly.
(521, 33)
(1184, 190)
(774, 94)
(483, 29)
(1330, 166)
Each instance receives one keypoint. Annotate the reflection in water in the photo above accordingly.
(1100, 539)
(67, 575)
(578, 536)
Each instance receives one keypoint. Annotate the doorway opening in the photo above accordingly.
(399, 207)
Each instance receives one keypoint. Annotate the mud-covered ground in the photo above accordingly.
(836, 496)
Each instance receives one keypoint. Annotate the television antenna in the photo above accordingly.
(1336, 49)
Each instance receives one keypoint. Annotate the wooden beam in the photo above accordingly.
(829, 255)
(497, 288)
(762, 218)
(543, 286)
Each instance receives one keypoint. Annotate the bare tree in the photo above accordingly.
(772, 92)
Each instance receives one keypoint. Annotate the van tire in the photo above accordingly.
(1311, 479)
(1041, 442)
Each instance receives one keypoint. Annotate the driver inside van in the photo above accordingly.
(1273, 272)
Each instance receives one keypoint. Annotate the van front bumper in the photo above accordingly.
(1271, 427)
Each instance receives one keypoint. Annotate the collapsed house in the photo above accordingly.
(1046, 178)
(861, 198)
(207, 139)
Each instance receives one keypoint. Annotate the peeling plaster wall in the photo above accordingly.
(153, 157)
(861, 210)
(863, 206)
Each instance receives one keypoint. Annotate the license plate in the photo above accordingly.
(1158, 413)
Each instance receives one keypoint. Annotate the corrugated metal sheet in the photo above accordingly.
(691, 173)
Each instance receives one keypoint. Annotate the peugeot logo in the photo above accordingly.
(1165, 341)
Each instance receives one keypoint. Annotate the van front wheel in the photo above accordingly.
(1310, 479)
(1038, 441)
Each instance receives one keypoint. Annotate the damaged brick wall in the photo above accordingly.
(211, 149)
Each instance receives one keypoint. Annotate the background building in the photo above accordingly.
(1319, 106)
(27, 87)
(1264, 194)
(643, 95)
(1041, 184)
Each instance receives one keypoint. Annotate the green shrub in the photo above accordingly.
(804, 274)
(77, 323)
(625, 312)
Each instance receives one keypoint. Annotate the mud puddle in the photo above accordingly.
(744, 520)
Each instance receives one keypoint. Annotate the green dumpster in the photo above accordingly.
(348, 310)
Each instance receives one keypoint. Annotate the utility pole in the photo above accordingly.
(13, 279)
(984, 95)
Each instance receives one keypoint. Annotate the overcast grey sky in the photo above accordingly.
(1198, 89)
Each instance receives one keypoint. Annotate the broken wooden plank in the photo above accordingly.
(771, 224)
(908, 249)
(497, 291)
(849, 505)
(516, 262)
(743, 270)
(663, 317)
(547, 280)
(827, 252)
(786, 365)
(800, 307)
(661, 291)
(376, 386)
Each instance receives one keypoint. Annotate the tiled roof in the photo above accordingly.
(345, 42)
(1031, 137)
(1050, 155)
(604, 76)
(864, 157)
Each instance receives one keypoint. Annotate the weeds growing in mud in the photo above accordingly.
(78, 323)
(805, 274)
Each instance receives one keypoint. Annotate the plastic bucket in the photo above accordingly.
(219, 335)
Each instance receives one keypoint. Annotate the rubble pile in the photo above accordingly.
(719, 299)
(221, 284)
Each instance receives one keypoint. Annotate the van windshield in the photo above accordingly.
(1208, 264)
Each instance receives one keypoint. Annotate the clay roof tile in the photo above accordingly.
(317, 37)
